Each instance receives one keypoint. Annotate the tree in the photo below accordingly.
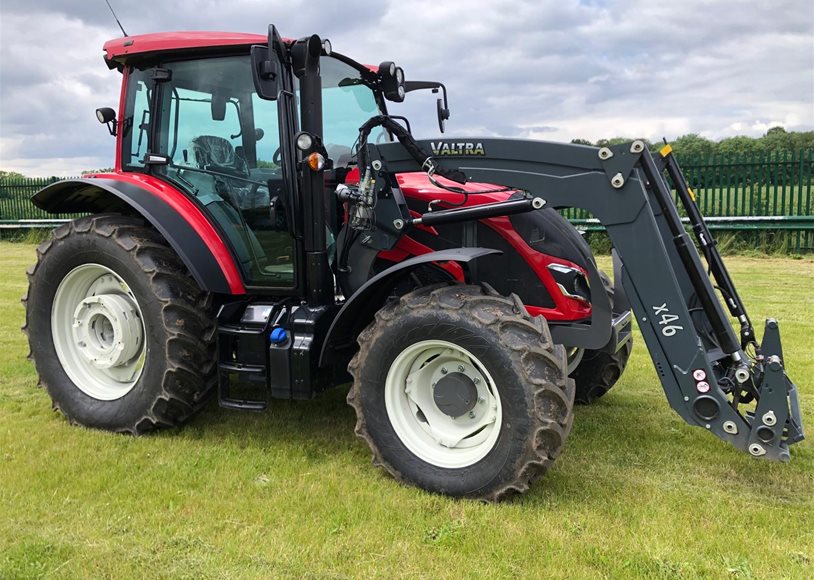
(738, 145)
(693, 145)
(8, 175)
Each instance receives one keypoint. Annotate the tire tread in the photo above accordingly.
(184, 390)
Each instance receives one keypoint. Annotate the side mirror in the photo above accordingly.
(107, 116)
(259, 134)
(441, 106)
(443, 114)
(265, 73)
(266, 70)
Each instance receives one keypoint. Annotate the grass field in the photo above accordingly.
(291, 492)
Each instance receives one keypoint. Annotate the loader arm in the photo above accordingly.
(705, 371)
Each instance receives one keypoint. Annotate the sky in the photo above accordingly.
(543, 69)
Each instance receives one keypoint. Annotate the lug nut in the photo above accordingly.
(471, 414)
(444, 370)
(460, 368)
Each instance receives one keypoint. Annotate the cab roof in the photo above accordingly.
(118, 50)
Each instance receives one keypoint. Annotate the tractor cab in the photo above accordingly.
(194, 119)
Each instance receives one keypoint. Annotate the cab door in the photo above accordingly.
(226, 148)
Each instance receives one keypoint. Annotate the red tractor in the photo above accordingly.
(269, 231)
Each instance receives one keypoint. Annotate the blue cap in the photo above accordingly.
(278, 335)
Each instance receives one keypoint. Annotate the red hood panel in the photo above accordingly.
(417, 185)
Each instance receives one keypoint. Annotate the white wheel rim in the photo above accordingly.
(98, 332)
(426, 430)
(574, 358)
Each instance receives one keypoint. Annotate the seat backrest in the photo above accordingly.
(212, 150)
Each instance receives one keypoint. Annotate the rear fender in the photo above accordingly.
(359, 309)
(182, 223)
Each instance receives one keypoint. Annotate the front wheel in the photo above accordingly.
(121, 336)
(460, 391)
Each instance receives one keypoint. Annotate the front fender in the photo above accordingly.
(358, 310)
(181, 222)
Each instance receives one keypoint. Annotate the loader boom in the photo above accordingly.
(705, 371)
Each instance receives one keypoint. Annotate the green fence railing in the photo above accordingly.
(16, 209)
(766, 191)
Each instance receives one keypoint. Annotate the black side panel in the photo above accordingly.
(359, 309)
(101, 195)
(549, 233)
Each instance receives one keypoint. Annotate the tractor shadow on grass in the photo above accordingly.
(319, 427)
(616, 445)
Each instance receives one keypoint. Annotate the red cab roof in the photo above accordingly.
(119, 48)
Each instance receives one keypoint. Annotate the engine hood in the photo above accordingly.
(418, 186)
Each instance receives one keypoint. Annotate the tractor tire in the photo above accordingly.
(427, 402)
(122, 337)
(597, 370)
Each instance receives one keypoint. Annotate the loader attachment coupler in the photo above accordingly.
(725, 382)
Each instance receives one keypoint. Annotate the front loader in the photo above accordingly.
(270, 231)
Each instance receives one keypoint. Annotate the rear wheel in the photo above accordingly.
(460, 391)
(596, 371)
(121, 336)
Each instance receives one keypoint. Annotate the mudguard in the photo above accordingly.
(180, 221)
(359, 309)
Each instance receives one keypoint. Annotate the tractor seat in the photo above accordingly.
(218, 154)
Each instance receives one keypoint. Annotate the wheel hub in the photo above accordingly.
(98, 332)
(107, 330)
(443, 404)
(455, 394)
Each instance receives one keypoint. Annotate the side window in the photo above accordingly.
(137, 120)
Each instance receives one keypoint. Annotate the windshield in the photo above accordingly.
(346, 104)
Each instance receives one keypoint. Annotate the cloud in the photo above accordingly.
(544, 69)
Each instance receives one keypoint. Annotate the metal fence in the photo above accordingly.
(759, 192)
(748, 192)
(16, 209)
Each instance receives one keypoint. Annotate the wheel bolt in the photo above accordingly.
(471, 414)
(475, 380)
(460, 368)
(481, 400)
(444, 370)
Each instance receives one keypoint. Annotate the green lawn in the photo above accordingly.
(291, 492)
